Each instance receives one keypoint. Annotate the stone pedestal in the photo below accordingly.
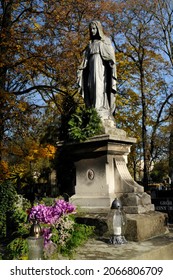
(102, 175)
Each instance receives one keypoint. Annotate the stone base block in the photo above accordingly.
(92, 204)
(140, 227)
(138, 209)
(144, 226)
(136, 203)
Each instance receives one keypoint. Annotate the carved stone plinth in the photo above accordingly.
(102, 175)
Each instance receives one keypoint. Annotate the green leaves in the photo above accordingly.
(7, 199)
(18, 248)
(79, 236)
(84, 123)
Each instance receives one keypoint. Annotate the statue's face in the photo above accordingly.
(93, 29)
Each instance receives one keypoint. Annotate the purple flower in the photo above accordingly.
(56, 216)
(47, 235)
(51, 214)
(64, 206)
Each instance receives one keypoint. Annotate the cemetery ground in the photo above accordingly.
(96, 246)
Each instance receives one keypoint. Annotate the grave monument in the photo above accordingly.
(101, 161)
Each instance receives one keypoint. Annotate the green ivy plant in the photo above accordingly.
(18, 249)
(8, 196)
(84, 123)
(19, 217)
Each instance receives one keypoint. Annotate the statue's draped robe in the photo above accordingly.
(97, 75)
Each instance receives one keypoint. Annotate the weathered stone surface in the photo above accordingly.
(138, 209)
(102, 175)
(144, 226)
(137, 203)
(157, 248)
(110, 128)
(139, 226)
(127, 184)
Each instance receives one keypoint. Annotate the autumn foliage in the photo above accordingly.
(4, 170)
(41, 45)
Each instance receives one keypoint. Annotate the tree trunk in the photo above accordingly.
(144, 130)
(171, 149)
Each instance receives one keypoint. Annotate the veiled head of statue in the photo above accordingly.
(96, 30)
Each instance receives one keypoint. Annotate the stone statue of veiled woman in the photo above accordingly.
(97, 73)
